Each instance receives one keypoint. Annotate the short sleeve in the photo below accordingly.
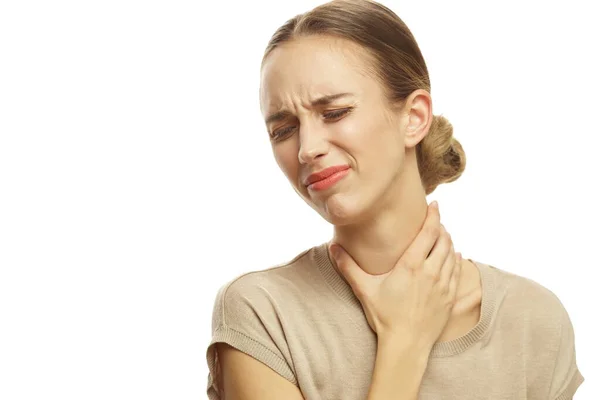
(566, 378)
(245, 317)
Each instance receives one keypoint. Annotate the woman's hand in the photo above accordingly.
(414, 300)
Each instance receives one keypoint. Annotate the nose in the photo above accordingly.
(313, 143)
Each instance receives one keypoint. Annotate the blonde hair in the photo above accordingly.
(398, 65)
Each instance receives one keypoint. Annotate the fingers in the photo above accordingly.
(455, 279)
(439, 254)
(422, 245)
(445, 270)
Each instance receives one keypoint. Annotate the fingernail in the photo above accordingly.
(435, 204)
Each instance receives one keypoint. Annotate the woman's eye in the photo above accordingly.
(330, 116)
(337, 113)
(283, 131)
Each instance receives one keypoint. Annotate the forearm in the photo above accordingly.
(399, 369)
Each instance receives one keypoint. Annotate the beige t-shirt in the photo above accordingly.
(303, 320)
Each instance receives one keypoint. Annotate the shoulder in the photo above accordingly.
(247, 316)
(256, 293)
(537, 319)
(530, 298)
(258, 281)
(526, 313)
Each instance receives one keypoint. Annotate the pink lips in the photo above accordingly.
(326, 178)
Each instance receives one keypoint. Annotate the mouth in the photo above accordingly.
(328, 181)
(325, 173)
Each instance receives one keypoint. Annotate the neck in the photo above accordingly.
(378, 240)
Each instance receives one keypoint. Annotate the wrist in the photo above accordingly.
(399, 368)
(400, 344)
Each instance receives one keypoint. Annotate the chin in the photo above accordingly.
(338, 209)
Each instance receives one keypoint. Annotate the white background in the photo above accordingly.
(136, 176)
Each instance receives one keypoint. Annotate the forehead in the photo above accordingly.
(307, 68)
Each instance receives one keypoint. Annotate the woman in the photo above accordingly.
(345, 94)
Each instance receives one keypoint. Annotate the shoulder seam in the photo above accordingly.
(234, 280)
(273, 266)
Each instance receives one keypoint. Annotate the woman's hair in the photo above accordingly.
(398, 65)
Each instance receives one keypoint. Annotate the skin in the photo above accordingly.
(380, 206)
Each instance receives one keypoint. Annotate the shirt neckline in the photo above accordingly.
(439, 349)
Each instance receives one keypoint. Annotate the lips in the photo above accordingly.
(327, 172)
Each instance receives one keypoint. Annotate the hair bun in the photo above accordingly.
(440, 156)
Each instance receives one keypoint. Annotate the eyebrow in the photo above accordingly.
(321, 101)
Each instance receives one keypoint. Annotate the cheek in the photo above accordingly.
(287, 160)
(369, 141)
(379, 155)
(385, 137)
(352, 136)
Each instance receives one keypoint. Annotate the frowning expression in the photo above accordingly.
(323, 108)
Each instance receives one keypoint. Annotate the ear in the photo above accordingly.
(418, 117)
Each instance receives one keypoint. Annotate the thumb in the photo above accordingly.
(353, 274)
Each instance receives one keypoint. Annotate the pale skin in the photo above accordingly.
(378, 209)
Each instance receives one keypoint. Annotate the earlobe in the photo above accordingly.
(414, 131)
(414, 135)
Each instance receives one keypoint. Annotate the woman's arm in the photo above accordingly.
(399, 369)
(245, 378)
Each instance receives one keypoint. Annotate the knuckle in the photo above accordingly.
(447, 239)
(434, 276)
(403, 263)
(443, 231)
(433, 230)
(446, 292)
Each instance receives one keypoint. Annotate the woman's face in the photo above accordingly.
(357, 128)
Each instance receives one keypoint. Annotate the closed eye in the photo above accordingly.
(328, 116)
(336, 113)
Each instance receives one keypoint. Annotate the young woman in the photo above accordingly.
(395, 313)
